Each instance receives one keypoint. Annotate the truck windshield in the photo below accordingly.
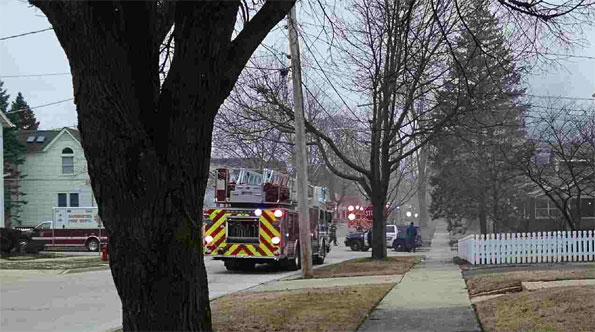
(44, 225)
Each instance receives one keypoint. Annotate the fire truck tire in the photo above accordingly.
(238, 265)
(92, 245)
(319, 259)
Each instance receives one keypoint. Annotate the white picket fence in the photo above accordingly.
(540, 247)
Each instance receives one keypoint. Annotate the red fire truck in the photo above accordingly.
(254, 220)
(73, 227)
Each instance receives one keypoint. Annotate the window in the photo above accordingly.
(62, 200)
(588, 207)
(67, 161)
(544, 208)
(74, 200)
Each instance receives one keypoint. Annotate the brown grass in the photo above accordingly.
(555, 309)
(368, 267)
(327, 309)
(491, 282)
(60, 264)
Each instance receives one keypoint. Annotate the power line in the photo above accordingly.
(54, 103)
(34, 75)
(44, 105)
(25, 34)
(560, 97)
(569, 56)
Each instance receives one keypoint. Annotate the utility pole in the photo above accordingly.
(301, 156)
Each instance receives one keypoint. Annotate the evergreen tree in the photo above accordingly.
(3, 98)
(22, 115)
(14, 155)
(472, 178)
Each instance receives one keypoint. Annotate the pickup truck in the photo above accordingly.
(358, 241)
(14, 239)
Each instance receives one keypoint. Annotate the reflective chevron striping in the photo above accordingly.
(220, 248)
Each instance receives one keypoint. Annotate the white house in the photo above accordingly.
(55, 172)
(4, 123)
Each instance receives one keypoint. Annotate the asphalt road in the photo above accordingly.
(48, 301)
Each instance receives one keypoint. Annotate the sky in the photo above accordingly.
(41, 53)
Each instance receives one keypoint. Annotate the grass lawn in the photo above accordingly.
(57, 264)
(327, 309)
(512, 280)
(569, 309)
(395, 265)
(28, 257)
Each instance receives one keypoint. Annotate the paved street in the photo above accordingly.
(49, 301)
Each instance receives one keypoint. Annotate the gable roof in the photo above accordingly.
(4, 121)
(50, 136)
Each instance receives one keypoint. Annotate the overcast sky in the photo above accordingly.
(41, 54)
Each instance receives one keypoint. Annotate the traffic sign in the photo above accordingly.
(369, 212)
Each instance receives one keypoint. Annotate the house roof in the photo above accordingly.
(4, 121)
(42, 138)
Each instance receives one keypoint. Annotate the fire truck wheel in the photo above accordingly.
(295, 263)
(92, 245)
(319, 259)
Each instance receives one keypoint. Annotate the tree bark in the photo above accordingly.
(422, 188)
(483, 213)
(378, 233)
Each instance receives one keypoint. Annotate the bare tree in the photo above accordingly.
(558, 158)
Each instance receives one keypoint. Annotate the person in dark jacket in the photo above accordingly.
(411, 235)
(333, 234)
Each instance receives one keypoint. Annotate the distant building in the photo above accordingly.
(55, 174)
(4, 123)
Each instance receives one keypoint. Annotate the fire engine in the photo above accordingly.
(254, 220)
(74, 227)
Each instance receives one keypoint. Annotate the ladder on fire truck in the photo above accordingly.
(246, 186)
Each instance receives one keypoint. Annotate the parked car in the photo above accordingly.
(355, 240)
(360, 240)
(14, 239)
(400, 242)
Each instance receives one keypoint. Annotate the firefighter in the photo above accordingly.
(334, 234)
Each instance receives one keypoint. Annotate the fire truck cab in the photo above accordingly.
(255, 220)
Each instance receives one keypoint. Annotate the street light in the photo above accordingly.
(416, 215)
(408, 214)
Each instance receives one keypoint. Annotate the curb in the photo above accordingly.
(86, 269)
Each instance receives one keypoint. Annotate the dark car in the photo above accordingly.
(355, 240)
(400, 243)
(20, 240)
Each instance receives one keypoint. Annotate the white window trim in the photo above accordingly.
(66, 155)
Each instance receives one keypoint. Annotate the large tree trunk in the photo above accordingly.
(482, 213)
(148, 144)
(378, 226)
(422, 189)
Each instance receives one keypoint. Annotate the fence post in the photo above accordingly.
(474, 249)
(515, 248)
(591, 244)
(550, 257)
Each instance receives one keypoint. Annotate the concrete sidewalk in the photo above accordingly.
(431, 297)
